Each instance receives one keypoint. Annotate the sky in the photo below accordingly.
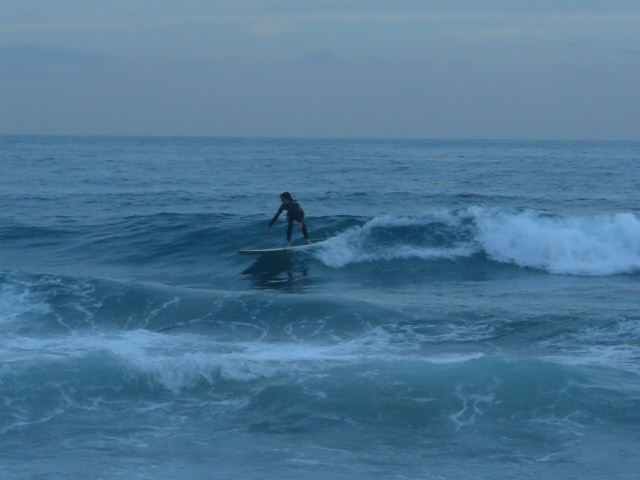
(435, 69)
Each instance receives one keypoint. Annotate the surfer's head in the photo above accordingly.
(285, 197)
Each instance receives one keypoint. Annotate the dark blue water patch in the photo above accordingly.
(26, 236)
(412, 272)
(158, 238)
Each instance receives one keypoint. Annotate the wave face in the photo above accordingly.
(473, 311)
(570, 245)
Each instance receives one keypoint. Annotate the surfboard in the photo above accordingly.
(268, 251)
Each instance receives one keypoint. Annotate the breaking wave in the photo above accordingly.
(569, 245)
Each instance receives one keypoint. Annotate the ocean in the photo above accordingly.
(473, 313)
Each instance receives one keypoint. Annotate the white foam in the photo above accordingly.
(624, 358)
(571, 245)
(453, 358)
(471, 408)
(613, 347)
(18, 301)
(181, 361)
(354, 246)
(597, 245)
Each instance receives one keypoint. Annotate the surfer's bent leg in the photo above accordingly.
(303, 226)
(289, 229)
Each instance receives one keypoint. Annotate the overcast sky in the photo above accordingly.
(393, 69)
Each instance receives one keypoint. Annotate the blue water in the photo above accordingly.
(474, 313)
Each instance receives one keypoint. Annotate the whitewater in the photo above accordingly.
(473, 312)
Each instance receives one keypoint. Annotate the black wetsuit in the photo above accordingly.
(294, 214)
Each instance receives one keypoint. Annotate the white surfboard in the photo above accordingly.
(267, 251)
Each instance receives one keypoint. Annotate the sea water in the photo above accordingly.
(474, 313)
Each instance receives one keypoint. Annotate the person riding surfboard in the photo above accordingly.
(294, 214)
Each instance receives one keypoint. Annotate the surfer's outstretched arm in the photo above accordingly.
(275, 217)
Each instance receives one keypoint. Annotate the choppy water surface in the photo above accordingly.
(474, 313)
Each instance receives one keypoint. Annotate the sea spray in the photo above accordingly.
(597, 245)
(573, 245)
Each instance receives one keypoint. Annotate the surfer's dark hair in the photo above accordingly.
(286, 196)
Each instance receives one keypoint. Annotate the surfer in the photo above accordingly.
(294, 214)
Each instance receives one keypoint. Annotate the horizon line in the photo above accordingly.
(334, 138)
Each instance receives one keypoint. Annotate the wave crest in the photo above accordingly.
(571, 245)
(598, 245)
